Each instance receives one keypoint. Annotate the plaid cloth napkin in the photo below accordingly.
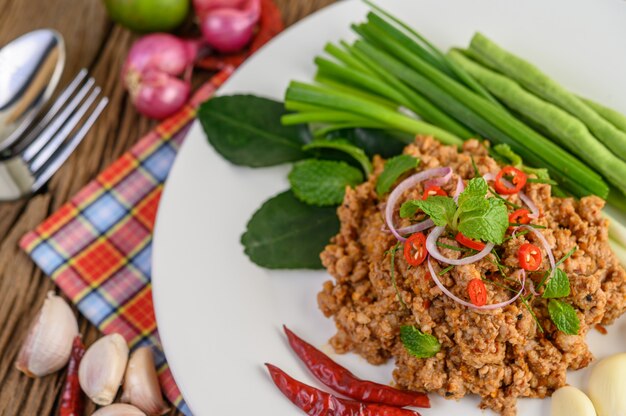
(97, 247)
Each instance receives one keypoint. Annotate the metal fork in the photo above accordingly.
(31, 162)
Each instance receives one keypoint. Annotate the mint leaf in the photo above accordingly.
(246, 130)
(322, 182)
(564, 316)
(558, 286)
(488, 224)
(394, 168)
(344, 146)
(417, 343)
(286, 233)
(473, 197)
(440, 209)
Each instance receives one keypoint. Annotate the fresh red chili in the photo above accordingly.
(72, 397)
(518, 178)
(529, 257)
(477, 292)
(432, 191)
(343, 381)
(415, 249)
(521, 216)
(315, 402)
(468, 242)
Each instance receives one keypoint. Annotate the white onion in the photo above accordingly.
(460, 187)
(431, 246)
(421, 226)
(469, 304)
(401, 188)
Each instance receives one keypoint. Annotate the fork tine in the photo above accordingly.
(57, 140)
(65, 151)
(49, 131)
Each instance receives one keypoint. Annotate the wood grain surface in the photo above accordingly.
(92, 41)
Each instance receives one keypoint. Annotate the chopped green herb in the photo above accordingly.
(392, 271)
(537, 180)
(448, 246)
(504, 154)
(322, 182)
(566, 256)
(558, 286)
(394, 168)
(344, 146)
(564, 316)
(517, 224)
(532, 313)
(446, 270)
(476, 171)
(505, 201)
(417, 343)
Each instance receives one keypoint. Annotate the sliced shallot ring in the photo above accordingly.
(440, 181)
(431, 246)
(401, 188)
(460, 187)
(546, 247)
(421, 226)
(531, 288)
(469, 304)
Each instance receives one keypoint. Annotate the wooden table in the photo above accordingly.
(95, 42)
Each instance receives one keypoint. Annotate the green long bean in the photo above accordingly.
(614, 117)
(533, 79)
(570, 131)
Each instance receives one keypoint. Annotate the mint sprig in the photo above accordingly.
(558, 286)
(564, 316)
(474, 215)
(417, 343)
(394, 168)
(323, 182)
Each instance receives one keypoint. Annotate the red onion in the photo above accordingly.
(231, 29)
(202, 7)
(460, 187)
(531, 288)
(546, 247)
(400, 189)
(431, 246)
(534, 211)
(455, 298)
(440, 181)
(151, 73)
(424, 225)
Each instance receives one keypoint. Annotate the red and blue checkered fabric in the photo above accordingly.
(97, 248)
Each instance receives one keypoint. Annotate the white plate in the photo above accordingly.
(219, 315)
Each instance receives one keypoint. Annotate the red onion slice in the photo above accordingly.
(534, 211)
(531, 288)
(421, 226)
(431, 246)
(440, 181)
(401, 188)
(546, 247)
(460, 187)
(455, 298)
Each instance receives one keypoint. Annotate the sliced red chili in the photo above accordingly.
(432, 191)
(415, 249)
(72, 396)
(468, 242)
(529, 257)
(315, 402)
(516, 176)
(521, 216)
(343, 381)
(477, 292)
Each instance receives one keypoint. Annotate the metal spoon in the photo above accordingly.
(30, 69)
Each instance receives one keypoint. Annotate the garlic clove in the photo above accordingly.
(141, 383)
(118, 409)
(569, 401)
(607, 386)
(102, 368)
(48, 345)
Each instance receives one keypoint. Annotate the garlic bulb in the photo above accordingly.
(607, 386)
(48, 344)
(141, 384)
(569, 401)
(118, 409)
(102, 368)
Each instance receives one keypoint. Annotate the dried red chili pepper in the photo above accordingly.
(72, 397)
(343, 381)
(315, 402)
(270, 24)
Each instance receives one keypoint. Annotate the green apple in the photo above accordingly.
(148, 15)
